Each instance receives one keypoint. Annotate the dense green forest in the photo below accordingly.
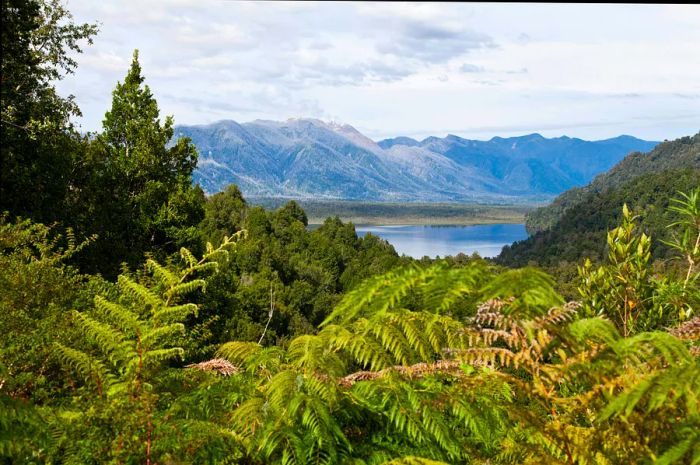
(581, 230)
(574, 226)
(144, 322)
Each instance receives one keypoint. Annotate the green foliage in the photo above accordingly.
(224, 214)
(443, 363)
(37, 289)
(135, 340)
(625, 290)
(666, 156)
(39, 145)
(330, 347)
(136, 193)
(622, 290)
(687, 240)
(284, 279)
(581, 231)
(518, 379)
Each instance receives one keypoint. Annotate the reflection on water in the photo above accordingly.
(417, 241)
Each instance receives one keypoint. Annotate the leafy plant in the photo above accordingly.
(136, 339)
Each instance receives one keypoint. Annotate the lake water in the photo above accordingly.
(417, 241)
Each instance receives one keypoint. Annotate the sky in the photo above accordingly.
(394, 69)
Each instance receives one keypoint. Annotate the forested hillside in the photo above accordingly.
(580, 231)
(145, 323)
(676, 154)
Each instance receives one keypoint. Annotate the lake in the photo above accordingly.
(417, 241)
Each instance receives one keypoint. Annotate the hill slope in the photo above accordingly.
(646, 182)
(676, 154)
(307, 158)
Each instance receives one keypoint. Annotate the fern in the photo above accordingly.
(413, 461)
(135, 338)
(439, 287)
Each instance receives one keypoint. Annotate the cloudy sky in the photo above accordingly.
(389, 69)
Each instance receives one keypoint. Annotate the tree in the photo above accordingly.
(39, 143)
(224, 214)
(139, 196)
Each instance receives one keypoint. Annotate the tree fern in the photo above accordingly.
(135, 338)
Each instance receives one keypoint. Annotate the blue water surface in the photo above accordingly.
(417, 241)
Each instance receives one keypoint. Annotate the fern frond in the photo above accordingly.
(215, 255)
(492, 357)
(165, 276)
(174, 313)
(206, 267)
(662, 388)
(184, 288)
(188, 257)
(117, 314)
(412, 460)
(417, 371)
(249, 416)
(644, 347)
(688, 331)
(398, 337)
(364, 349)
(688, 447)
(376, 295)
(139, 292)
(238, 351)
(594, 330)
(154, 336)
(531, 290)
(90, 368)
(110, 341)
(160, 355)
(218, 365)
(281, 386)
(312, 353)
(451, 285)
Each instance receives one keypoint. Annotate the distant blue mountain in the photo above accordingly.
(308, 158)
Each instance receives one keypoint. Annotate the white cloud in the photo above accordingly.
(404, 69)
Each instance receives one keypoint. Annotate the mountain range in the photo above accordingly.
(309, 158)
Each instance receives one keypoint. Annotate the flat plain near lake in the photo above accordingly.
(387, 213)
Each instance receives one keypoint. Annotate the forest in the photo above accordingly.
(144, 322)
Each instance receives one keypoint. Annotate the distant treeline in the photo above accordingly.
(396, 213)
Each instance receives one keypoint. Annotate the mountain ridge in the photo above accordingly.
(310, 158)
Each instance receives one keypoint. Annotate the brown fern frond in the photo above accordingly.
(688, 331)
(491, 357)
(416, 371)
(218, 365)
(558, 315)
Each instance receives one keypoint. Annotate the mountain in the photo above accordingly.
(582, 217)
(309, 158)
(680, 153)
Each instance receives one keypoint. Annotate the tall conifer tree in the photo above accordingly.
(142, 196)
